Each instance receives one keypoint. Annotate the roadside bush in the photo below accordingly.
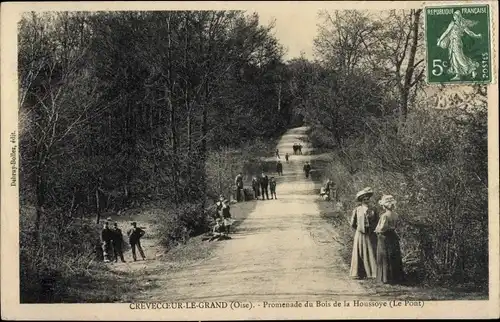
(66, 250)
(176, 224)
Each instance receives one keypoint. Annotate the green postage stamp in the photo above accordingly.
(458, 44)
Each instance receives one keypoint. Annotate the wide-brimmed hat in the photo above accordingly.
(387, 200)
(366, 192)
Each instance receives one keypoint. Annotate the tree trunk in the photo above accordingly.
(173, 129)
(411, 65)
(98, 206)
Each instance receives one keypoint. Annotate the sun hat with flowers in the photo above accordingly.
(387, 200)
(368, 192)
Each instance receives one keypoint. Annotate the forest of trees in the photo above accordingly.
(120, 109)
(366, 100)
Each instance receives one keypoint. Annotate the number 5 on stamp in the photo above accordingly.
(458, 44)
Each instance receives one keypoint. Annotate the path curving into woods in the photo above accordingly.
(283, 250)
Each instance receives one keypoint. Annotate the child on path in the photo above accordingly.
(272, 186)
(226, 216)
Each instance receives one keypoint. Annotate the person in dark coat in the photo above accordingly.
(118, 243)
(277, 153)
(300, 148)
(272, 187)
(134, 236)
(286, 157)
(389, 261)
(255, 187)
(264, 184)
(279, 168)
(307, 169)
(107, 242)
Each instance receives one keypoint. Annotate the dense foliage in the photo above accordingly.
(433, 158)
(118, 109)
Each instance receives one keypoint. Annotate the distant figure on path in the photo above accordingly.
(118, 243)
(364, 220)
(255, 187)
(295, 148)
(107, 242)
(300, 148)
(389, 261)
(286, 157)
(307, 169)
(264, 183)
(238, 181)
(279, 168)
(277, 153)
(272, 187)
(134, 236)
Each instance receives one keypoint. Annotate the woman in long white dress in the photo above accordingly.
(364, 219)
(451, 39)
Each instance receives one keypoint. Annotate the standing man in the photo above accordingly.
(239, 186)
(107, 240)
(300, 149)
(118, 243)
(277, 153)
(307, 169)
(255, 187)
(264, 183)
(286, 157)
(134, 236)
(279, 168)
(272, 186)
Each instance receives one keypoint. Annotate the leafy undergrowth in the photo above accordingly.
(414, 288)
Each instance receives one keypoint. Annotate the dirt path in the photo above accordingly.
(282, 251)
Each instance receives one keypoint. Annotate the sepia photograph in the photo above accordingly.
(337, 158)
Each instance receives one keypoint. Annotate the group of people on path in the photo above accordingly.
(223, 220)
(262, 185)
(376, 250)
(112, 241)
(297, 148)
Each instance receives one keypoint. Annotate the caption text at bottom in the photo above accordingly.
(239, 305)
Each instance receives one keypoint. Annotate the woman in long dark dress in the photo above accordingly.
(389, 262)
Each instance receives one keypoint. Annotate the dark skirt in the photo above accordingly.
(389, 261)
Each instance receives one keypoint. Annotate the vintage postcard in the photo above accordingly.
(247, 160)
